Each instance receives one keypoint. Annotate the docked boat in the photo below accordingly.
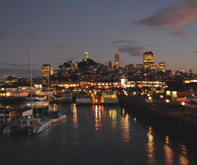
(83, 98)
(67, 97)
(56, 116)
(36, 102)
(27, 122)
(35, 125)
(110, 97)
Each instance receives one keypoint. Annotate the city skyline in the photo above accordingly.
(58, 31)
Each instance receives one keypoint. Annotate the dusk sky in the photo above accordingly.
(60, 30)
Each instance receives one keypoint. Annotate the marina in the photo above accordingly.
(99, 134)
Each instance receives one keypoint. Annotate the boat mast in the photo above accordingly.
(48, 89)
(30, 62)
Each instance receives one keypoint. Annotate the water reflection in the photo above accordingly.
(98, 112)
(126, 128)
(74, 112)
(168, 152)
(150, 147)
(183, 156)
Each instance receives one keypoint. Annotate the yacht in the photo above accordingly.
(36, 102)
(83, 98)
(67, 96)
(110, 97)
(25, 123)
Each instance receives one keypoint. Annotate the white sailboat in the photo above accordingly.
(27, 122)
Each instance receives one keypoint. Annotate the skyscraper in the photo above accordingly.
(117, 60)
(47, 70)
(86, 54)
(149, 60)
(162, 67)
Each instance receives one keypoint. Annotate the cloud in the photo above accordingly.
(173, 16)
(131, 47)
(8, 32)
(43, 19)
(133, 50)
(178, 32)
(20, 72)
(194, 52)
(6, 64)
(59, 45)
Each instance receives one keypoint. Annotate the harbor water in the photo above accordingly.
(97, 135)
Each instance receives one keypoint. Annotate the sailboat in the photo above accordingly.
(27, 122)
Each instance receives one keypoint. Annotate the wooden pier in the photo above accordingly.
(167, 116)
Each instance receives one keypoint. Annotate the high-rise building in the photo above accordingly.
(47, 70)
(149, 60)
(117, 60)
(162, 67)
(86, 54)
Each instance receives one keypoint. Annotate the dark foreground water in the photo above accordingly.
(97, 135)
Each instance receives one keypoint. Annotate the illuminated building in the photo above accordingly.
(139, 66)
(47, 70)
(129, 67)
(156, 67)
(162, 67)
(109, 64)
(86, 54)
(149, 60)
(117, 60)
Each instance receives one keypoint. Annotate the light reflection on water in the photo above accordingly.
(150, 147)
(96, 135)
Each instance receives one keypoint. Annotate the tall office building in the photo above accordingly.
(86, 54)
(149, 60)
(47, 70)
(162, 67)
(117, 60)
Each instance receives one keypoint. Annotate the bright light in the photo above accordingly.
(161, 96)
(167, 100)
(149, 98)
(183, 103)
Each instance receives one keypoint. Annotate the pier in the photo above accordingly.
(171, 117)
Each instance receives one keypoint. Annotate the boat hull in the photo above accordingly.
(42, 127)
(83, 100)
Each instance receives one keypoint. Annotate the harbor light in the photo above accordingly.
(167, 100)
(161, 96)
(183, 103)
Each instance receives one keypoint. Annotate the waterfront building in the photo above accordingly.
(117, 59)
(47, 70)
(149, 60)
(162, 67)
(86, 84)
(86, 55)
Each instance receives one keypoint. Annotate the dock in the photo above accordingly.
(168, 116)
